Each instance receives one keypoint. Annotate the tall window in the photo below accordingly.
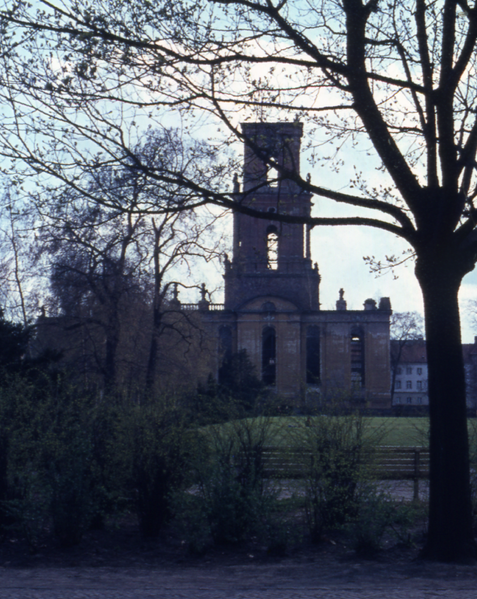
(312, 355)
(225, 349)
(272, 247)
(357, 359)
(225, 341)
(269, 356)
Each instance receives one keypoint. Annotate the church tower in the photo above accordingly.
(271, 258)
(272, 310)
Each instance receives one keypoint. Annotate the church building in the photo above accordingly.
(272, 302)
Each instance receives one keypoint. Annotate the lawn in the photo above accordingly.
(404, 432)
(382, 430)
(398, 431)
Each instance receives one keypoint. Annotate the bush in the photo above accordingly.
(377, 514)
(336, 455)
(231, 500)
(473, 466)
(70, 476)
(67, 462)
(374, 515)
(27, 513)
(70, 458)
(50, 468)
(158, 442)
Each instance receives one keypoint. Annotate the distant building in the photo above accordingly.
(410, 374)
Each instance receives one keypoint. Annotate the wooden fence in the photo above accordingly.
(384, 463)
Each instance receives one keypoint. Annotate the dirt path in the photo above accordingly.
(316, 575)
(285, 581)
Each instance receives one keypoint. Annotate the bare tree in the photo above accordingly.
(102, 261)
(17, 273)
(392, 79)
(95, 275)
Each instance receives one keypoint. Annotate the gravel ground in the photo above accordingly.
(285, 580)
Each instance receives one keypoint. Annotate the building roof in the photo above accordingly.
(414, 351)
(470, 351)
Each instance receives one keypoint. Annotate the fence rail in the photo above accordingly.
(385, 463)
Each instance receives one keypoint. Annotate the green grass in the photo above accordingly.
(413, 431)
(404, 432)
(381, 430)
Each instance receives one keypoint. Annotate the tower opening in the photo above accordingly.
(357, 359)
(269, 356)
(272, 247)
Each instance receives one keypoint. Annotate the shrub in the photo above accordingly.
(374, 515)
(48, 469)
(159, 443)
(70, 476)
(67, 461)
(335, 458)
(231, 500)
(28, 512)
(473, 465)
(377, 514)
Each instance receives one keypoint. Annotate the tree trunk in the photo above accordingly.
(152, 360)
(112, 342)
(154, 346)
(450, 535)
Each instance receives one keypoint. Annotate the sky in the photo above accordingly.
(339, 252)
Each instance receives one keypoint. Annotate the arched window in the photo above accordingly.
(272, 247)
(269, 349)
(313, 355)
(357, 359)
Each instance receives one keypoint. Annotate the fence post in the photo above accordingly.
(417, 456)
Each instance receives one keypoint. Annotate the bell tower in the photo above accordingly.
(271, 258)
